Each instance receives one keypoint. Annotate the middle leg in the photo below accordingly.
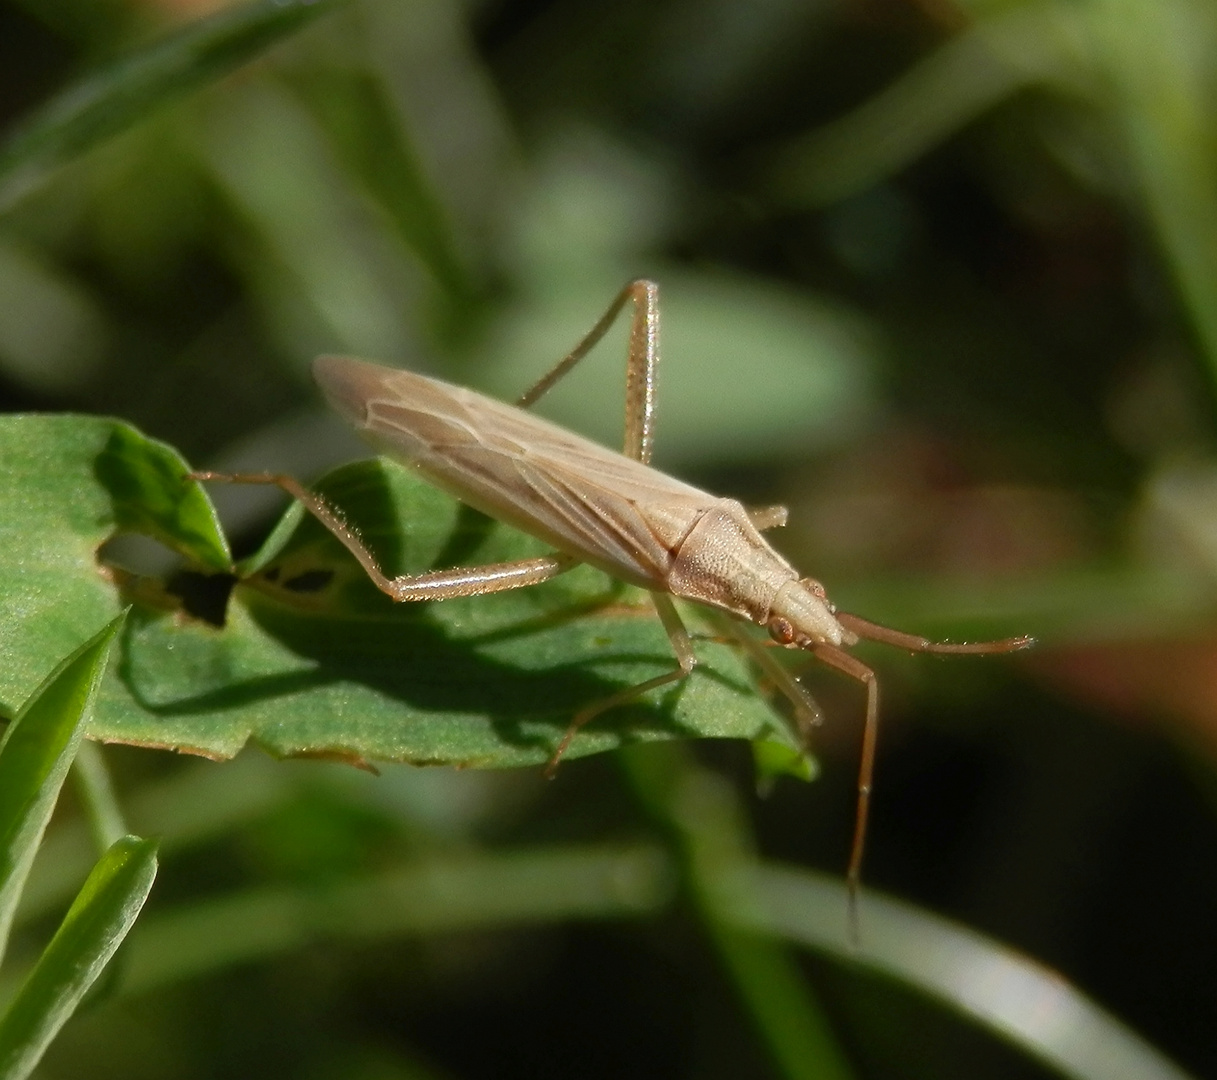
(642, 365)
(642, 362)
(686, 661)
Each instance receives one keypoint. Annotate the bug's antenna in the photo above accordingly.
(864, 628)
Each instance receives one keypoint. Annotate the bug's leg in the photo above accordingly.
(686, 661)
(479, 580)
(864, 628)
(854, 668)
(768, 517)
(433, 585)
(641, 365)
(807, 712)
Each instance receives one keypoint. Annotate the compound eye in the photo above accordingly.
(815, 588)
(781, 631)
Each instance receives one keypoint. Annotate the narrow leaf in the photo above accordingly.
(105, 103)
(354, 110)
(1031, 1007)
(1157, 57)
(707, 822)
(35, 754)
(92, 930)
(997, 58)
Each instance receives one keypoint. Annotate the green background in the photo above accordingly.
(939, 275)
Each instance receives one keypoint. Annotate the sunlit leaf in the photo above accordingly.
(311, 659)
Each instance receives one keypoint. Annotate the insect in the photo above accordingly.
(611, 510)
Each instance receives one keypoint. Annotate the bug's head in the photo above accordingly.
(801, 616)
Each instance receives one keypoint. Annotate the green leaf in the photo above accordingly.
(35, 755)
(311, 658)
(109, 101)
(772, 760)
(1033, 1008)
(718, 405)
(707, 822)
(998, 989)
(997, 57)
(92, 930)
(356, 114)
(68, 484)
(1158, 61)
(433, 895)
(149, 493)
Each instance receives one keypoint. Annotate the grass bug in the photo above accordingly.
(608, 509)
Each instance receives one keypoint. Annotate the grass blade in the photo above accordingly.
(37, 750)
(103, 104)
(1030, 1006)
(91, 931)
(706, 822)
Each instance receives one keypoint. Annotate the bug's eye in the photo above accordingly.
(815, 588)
(781, 631)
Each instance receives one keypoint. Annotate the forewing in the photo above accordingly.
(583, 498)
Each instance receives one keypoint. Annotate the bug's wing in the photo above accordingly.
(577, 495)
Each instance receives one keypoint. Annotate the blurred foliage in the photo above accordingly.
(938, 274)
(38, 748)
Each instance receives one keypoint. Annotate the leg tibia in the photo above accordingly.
(433, 585)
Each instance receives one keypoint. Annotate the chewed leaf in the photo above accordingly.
(311, 658)
(69, 483)
(146, 483)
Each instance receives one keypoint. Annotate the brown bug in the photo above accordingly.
(609, 509)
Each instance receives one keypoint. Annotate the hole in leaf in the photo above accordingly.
(309, 581)
(149, 574)
(138, 554)
(203, 596)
